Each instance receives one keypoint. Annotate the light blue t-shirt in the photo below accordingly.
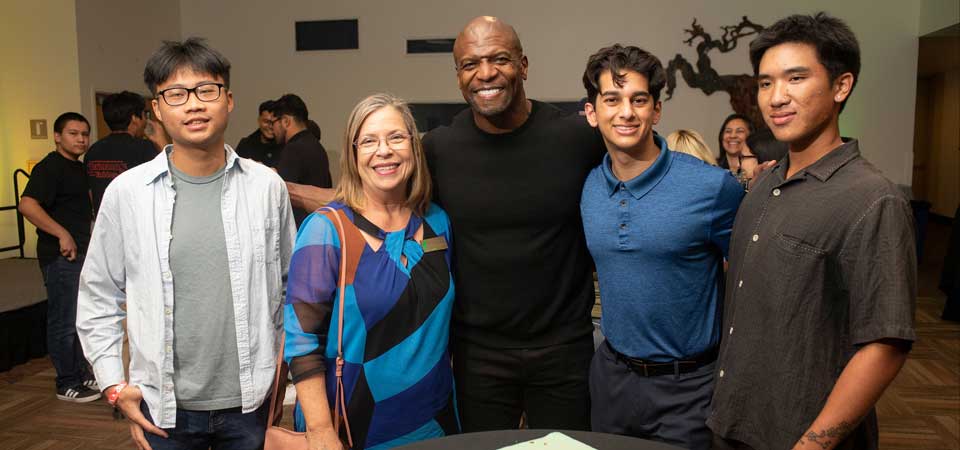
(658, 242)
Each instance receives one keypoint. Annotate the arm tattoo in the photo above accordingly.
(826, 438)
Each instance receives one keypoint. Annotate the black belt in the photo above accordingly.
(646, 368)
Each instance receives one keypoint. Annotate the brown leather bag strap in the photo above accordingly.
(340, 405)
(278, 392)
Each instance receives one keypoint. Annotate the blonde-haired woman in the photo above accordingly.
(397, 380)
(691, 143)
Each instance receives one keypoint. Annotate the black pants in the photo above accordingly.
(62, 280)
(495, 386)
(668, 408)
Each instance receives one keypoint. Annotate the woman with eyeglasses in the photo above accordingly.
(397, 379)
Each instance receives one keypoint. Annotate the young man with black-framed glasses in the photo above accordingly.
(196, 242)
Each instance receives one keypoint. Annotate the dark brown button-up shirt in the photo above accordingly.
(820, 265)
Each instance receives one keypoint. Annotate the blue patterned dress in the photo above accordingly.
(397, 378)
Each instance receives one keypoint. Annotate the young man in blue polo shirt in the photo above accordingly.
(658, 225)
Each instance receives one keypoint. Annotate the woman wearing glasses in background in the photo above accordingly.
(398, 384)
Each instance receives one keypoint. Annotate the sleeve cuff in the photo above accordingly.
(866, 336)
(109, 371)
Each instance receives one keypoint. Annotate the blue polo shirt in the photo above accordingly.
(658, 241)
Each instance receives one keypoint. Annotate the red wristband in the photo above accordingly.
(114, 393)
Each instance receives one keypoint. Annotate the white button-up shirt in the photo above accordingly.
(128, 262)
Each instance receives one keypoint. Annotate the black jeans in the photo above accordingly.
(62, 280)
(495, 386)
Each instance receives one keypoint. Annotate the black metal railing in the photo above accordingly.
(21, 233)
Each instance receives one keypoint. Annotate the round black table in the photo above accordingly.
(492, 440)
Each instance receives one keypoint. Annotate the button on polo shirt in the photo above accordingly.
(658, 241)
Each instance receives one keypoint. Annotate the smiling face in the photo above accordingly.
(624, 114)
(796, 96)
(72, 141)
(195, 124)
(735, 134)
(265, 121)
(490, 69)
(386, 169)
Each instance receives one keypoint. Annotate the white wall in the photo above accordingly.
(39, 80)
(936, 15)
(115, 38)
(258, 37)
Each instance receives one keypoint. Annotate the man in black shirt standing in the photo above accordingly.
(125, 146)
(304, 160)
(57, 201)
(509, 172)
(261, 145)
(822, 282)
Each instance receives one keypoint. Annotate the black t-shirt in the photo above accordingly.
(304, 161)
(266, 153)
(523, 273)
(60, 186)
(110, 157)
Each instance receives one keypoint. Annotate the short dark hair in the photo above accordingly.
(750, 128)
(290, 105)
(193, 53)
(265, 106)
(836, 45)
(62, 120)
(118, 109)
(314, 129)
(617, 59)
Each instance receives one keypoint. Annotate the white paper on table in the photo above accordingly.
(552, 441)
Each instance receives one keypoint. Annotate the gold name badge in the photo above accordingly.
(434, 244)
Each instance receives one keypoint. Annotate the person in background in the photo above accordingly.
(767, 148)
(261, 145)
(57, 201)
(314, 129)
(304, 161)
(735, 155)
(691, 143)
(399, 293)
(821, 290)
(155, 133)
(125, 146)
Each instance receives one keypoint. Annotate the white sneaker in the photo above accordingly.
(92, 384)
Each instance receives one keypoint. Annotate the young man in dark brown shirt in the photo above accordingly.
(822, 280)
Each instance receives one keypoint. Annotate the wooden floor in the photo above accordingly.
(921, 409)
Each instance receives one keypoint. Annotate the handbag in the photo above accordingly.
(279, 438)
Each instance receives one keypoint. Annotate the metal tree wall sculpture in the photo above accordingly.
(742, 88)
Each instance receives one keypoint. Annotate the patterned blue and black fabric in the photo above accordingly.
(397, 305)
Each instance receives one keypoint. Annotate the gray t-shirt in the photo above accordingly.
(206, 372)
